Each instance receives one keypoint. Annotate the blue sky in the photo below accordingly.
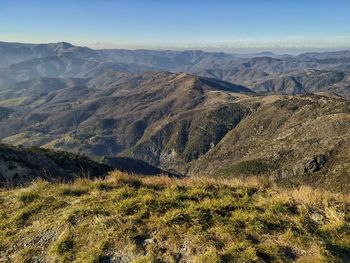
(180, 24)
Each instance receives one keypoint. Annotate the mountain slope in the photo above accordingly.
(118, 112)
(20, 166)
(39, 86)
(303, 139)
(305, 81)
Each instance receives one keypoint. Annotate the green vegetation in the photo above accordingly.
(159, 219)
(246, 168)
(211, 128)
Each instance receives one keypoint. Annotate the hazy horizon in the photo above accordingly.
(234, 27)
(239, 51)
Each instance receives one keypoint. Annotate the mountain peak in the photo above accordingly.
(61, 45)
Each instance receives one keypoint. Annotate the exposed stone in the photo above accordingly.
(315, 164)
(150, 241)
(317, 217)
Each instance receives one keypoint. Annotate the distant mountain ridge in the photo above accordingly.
(21, 62)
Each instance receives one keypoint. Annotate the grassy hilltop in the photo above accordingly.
(125, 218)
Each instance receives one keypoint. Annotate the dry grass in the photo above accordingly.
(160, 219)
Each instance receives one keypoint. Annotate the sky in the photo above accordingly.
(235, 25)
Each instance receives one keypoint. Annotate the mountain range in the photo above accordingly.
(183, 112)
(62, 60)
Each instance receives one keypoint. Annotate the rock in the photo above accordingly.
(185, 246)
(150, 241)
(317, 217)
(315, 164)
